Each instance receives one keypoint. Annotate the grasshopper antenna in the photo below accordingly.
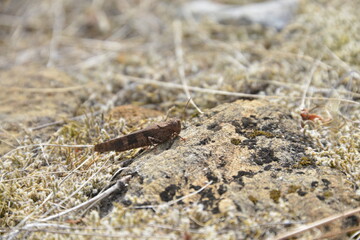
(308, 83)
(168, 112)
(172, 108)
(184, 111)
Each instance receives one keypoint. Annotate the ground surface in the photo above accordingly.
(76, 72)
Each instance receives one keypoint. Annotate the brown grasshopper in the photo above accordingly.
(153, 134)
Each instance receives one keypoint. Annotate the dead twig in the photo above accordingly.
(64, 121)
(180, 61)
(120, 185)
(315, 224)
(66, 230)
(308, 83)
(47, 144)
(57, 29)
(222, 92)
(48, 90)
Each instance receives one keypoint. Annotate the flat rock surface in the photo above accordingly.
(255, 156)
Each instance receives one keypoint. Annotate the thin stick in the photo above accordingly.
(46, 199)
(33, 176)
(15, 231)
(315, 89)
(10, 135)
(107, 45)
(187, 104)
(307, 84)
(64, 121)
(48, 90)
(101, 192)
(221, 92)
(13, 234)
(105, 235)
(333, 234)
(57, 28)
(336, 57)
(117, 186)
(79, 188)
(95, 60)
(47, 144)
(318, 223)
(7, 143)
(180, 60)
(61, 229)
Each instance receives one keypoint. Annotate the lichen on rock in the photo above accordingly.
(256, 175)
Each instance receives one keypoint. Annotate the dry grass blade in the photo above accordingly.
(47, 144)
(180, 60)
(58, 11)
(119, 185)
(315, 224)
(47, 90)
(307, 85)
(222, 92)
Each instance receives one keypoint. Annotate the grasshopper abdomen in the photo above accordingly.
(153, 134)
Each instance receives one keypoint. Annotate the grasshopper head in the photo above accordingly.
(176, 125)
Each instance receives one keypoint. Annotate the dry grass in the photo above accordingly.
(140, 52)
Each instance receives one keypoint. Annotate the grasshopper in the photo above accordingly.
(154, 134)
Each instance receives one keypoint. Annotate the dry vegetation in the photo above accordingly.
(140, 52)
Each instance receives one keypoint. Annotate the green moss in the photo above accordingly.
(256, 133)
(275, 195)
(253, 199)
(70, 130)
(235, 141)
(305, 161)
(293, 188)
(327, 194)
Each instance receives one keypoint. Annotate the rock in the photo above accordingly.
(256, 157)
